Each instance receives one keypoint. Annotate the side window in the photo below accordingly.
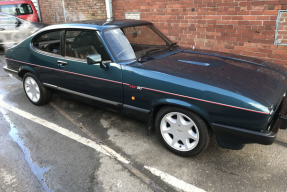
(48, 41)
(81, 43)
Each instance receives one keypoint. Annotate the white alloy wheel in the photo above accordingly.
(179, 131)
(32, 89)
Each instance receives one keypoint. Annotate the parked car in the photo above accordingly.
(14, 30)
(24, 9)
(131, 67)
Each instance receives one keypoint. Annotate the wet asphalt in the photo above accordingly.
(34, 158)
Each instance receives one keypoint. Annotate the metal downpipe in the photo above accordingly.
(109, 9)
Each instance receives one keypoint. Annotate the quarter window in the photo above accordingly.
(81, 43)
(49, 42)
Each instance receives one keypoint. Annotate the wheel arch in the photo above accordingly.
(181, 104)
(25, 69)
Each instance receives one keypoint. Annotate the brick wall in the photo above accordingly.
(52, 10)
(245, 27)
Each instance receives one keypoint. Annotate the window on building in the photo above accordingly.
(281, 28)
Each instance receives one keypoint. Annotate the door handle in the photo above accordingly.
(62, 63)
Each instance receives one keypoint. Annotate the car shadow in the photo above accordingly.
(281, 143)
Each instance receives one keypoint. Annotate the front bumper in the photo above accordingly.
(281, 116)
(235, 135)
(235, 138)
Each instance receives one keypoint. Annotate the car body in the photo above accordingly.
(131, 67)
(23, 9)
(14, 30)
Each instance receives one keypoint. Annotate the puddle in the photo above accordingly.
(37, 171)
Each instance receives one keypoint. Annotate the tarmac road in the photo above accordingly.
(71, 146)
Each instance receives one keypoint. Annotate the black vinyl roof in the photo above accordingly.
(100, 24)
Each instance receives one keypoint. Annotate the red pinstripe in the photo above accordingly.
(149, 89)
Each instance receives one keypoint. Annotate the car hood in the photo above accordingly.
(245, 76)
(39, 25)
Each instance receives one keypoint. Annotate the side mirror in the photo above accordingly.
(96, 58)
(18, 23)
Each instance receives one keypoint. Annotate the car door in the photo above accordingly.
(91, 81)
(44, 54)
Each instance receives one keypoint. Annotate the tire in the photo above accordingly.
(35, 91)
(181, 131)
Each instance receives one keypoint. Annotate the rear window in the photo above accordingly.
(17, 9)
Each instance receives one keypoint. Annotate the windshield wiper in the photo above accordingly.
(172, 45)
(146, 53)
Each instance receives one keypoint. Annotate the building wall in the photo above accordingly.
(52, 10)
(245, 27)
(35, 2)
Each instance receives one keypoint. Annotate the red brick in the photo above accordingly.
(242, 27)
(263, 17)
(279, 52)
(249, 17)
(269, 22)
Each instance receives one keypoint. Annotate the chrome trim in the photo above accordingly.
(83, 95)
(54, 55)
(45, 52)
(194, 62)
(50, 85)
(8, 69)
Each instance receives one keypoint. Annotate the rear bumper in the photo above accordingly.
(12, 72)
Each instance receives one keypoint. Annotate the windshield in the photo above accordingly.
(131, 43)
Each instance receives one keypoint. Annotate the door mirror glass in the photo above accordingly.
(97, 58)
(93, 59)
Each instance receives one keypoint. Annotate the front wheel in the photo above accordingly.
(35, 91)
(181, 131)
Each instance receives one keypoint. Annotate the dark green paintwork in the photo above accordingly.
(217, 92)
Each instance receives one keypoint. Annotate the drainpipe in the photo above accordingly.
(109, 10)
(64, 11)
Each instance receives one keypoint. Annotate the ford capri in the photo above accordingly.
(186, 95)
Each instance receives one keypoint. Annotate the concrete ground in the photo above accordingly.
(71, 146)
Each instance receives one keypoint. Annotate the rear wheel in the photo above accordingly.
(181, 131)
(35, 91)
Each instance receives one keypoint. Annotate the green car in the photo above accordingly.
(129, 66)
